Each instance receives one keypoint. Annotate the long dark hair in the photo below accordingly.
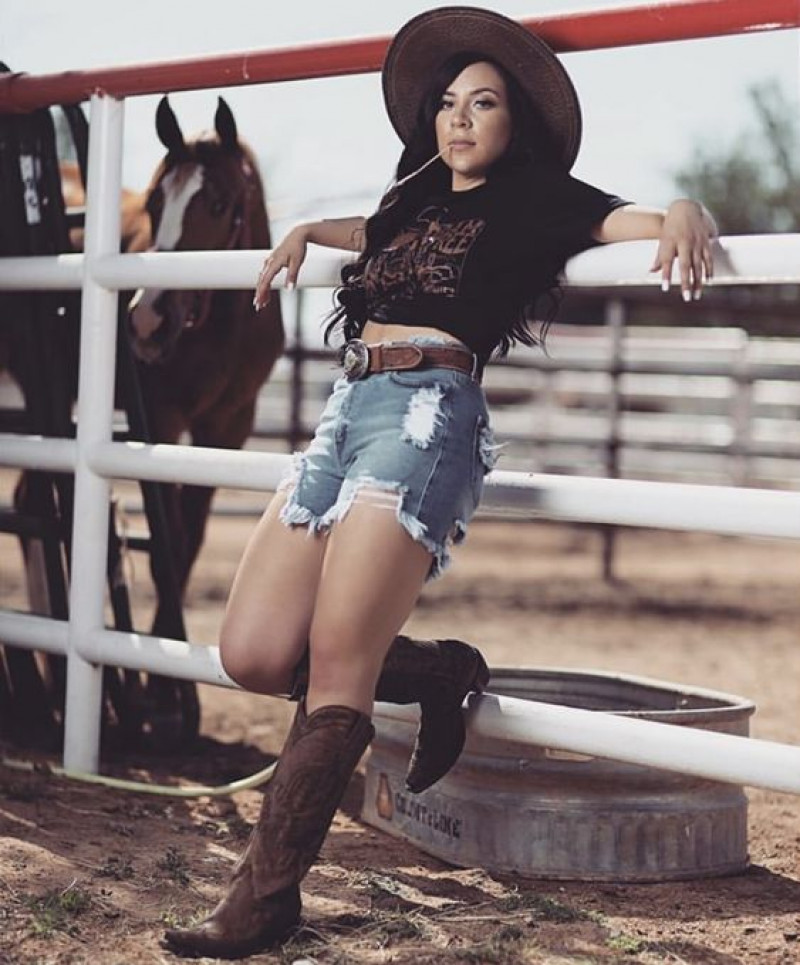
(531, 143)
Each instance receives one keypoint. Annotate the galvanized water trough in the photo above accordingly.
(514, 807)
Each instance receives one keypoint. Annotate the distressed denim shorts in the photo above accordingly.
(415, 441)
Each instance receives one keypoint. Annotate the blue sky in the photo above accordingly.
(326, 147)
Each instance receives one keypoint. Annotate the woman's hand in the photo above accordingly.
(289, 254)
(686, 235)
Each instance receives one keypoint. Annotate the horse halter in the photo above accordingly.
(202, 296)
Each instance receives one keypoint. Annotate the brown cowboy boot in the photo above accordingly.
(437, 674)
(237, 913)
(263, 904)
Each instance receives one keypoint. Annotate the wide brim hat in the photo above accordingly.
(426, 41)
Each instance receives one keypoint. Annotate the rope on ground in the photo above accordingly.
(142, 787)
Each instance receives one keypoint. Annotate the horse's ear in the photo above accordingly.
(168, 129)
(226, 126)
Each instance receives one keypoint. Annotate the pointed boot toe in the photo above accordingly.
(439, 744)
(442, 730)
(239, 926)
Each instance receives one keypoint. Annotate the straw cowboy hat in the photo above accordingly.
(427, 40)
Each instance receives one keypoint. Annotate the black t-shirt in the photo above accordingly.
(469, 261)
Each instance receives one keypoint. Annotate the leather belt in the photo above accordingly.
(360, 359)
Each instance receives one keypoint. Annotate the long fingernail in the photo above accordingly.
(687, 295)
(698, 295)
(289, 286)
(664, 284)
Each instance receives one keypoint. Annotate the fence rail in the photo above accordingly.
(648, 23)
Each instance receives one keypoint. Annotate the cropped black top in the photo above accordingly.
(470, 259)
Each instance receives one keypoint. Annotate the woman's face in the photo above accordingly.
(473, 124)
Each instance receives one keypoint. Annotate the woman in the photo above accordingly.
(478, 225)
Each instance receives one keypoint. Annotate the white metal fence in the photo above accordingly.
(95, 459)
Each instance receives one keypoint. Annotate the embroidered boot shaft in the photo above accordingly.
(263, 904)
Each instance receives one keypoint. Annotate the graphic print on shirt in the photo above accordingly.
(425, 259)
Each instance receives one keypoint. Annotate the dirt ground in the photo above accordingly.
(92, 875)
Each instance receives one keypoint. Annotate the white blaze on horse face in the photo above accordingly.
(178, 187)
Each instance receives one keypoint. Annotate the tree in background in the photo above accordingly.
(753, 185)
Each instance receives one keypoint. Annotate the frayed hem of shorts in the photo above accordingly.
(295, 514)
(292, 512)
(292, 474)
(418, 531)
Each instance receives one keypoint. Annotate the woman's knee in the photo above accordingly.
(257, 661)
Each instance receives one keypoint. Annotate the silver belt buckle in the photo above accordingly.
(355, 359)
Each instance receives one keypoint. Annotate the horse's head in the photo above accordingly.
(205, 195)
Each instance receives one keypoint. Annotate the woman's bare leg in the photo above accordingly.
(366, 577)
(371, 576)
(267, 620)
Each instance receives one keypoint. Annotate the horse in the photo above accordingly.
(203, 355)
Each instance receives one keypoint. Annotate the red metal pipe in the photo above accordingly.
(648, 23)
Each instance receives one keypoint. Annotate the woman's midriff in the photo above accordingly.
(382, 332)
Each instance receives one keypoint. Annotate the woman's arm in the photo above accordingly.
(684, 231)
(345, 233)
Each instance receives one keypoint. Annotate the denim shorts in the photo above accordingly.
(418, 439)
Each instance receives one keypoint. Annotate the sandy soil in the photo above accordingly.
(91, 875)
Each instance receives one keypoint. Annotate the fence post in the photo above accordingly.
(95, 416)
(298, 375)
(542, 409)
(742, 404)
(615, 324)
